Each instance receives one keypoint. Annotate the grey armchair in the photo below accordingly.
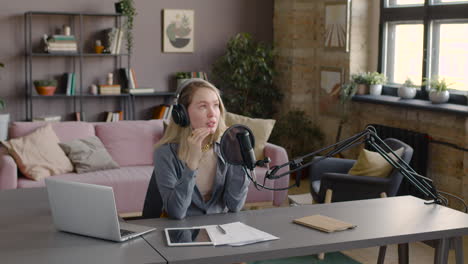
(332, 174)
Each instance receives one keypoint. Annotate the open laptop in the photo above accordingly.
(89, 210)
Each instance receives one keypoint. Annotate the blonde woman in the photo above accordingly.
(190, 177)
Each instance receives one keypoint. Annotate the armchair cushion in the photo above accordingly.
(88, 154)
(261, 128)
(38, 154)
(371, 163)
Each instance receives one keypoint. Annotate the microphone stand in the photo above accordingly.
(369, 135)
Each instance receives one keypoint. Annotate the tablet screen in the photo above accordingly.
(188, 236)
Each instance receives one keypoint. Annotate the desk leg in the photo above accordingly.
(441, 252)
(403, 256)
(382, 251)
(458, 245)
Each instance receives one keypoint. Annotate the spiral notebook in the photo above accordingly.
(324, 223)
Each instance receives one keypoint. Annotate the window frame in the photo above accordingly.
(426, 13)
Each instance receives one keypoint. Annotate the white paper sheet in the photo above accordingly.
(238, 234)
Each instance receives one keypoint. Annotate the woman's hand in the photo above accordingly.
(195, 142)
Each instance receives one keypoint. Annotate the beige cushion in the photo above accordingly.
(371, 163)
(88, 154)
(261, 128)
(38, 154)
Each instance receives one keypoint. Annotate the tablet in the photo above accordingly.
(188, 236)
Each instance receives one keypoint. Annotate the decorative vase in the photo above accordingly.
(439, 97)
(46, 90)
(406, 92)
(375, 89)
(4, 121)
(362, 89)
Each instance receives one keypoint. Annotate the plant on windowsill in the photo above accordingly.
(438, 93)
(360, 80)
(45, 87)
(407, 90)
(375, 81)
(127, 8)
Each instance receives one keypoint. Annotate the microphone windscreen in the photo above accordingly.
(230, 147)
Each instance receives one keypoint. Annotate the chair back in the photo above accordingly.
(395, 176)
(153, 205)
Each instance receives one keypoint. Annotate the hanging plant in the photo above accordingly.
(127, 8)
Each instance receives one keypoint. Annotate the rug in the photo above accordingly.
(330, 258)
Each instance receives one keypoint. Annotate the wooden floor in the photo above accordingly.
(419, 253)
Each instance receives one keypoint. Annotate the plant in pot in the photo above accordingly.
(375, 81)
(407, 90)
(4, 118)
(181, 76)
(245, 76)
(45, 87)
(438, 93)
(362, 85)
(127, 8)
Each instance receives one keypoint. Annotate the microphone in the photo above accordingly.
(246, 148)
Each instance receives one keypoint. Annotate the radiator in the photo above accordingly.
(420, 144)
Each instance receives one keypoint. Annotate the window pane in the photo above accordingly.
(401, 3)
(438, 2)
(451, 54)
(404, 52)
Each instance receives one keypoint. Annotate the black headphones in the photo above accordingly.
(179, 111)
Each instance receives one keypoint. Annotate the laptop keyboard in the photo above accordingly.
(124, 232)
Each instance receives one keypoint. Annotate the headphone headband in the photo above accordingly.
(186, 82)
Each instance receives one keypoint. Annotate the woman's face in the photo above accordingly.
(204, 109)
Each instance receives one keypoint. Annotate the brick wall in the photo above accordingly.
(298, 35)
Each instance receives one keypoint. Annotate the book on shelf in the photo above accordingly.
(159, 111)
(54, 118)
(80, 116)
(114, 116)
(139, 91)
(109, 89)
(167, 113)
(114, 40)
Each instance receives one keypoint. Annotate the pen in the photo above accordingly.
(221, 229)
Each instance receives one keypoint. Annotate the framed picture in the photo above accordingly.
(337, 24)
(331, 79)
(178, 30)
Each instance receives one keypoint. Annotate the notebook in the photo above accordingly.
(324, 223)
(89, 210)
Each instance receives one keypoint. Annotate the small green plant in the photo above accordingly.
(359, 78)
(376, 78)
(437, 84)
(39, 83)
(129, 11)
(409, 83)
(182, 75)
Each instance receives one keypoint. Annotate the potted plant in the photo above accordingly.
(375, 81)
(360, 80)
(45, 87)
(4, 118)
(245, 76)
(438, 93)
(127, 8)
(181, 76)
(407, 90)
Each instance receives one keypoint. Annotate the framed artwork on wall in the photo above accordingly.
(178, 30)
(337, 25)
(331, 79)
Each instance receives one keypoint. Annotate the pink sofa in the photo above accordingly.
(130, 143)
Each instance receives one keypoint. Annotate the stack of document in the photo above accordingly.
(237, 234)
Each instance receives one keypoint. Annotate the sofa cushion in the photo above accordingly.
(130, 143)
(129, 184)
(370, 163)
(88, 154)
(66, 131)
(38, 154)
(261, 128)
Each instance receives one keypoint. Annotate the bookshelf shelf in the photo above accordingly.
(75, 61)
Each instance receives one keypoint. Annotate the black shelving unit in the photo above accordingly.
(77, 60)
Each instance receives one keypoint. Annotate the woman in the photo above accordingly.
(190, 174)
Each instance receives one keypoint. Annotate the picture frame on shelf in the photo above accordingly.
(178, 30)
(337, 25)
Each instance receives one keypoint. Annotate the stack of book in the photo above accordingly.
(114, 116)
(128, 80)
(60, 44)
(114, 40)
(70, 79)
(109, 89)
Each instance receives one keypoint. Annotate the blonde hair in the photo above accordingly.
(177, 134)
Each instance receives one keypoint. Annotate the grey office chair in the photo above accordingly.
(330, 182)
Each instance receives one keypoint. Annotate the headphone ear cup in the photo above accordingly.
(180, 115)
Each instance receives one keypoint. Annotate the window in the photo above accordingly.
(425, 40)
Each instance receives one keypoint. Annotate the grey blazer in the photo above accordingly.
(179, 193)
